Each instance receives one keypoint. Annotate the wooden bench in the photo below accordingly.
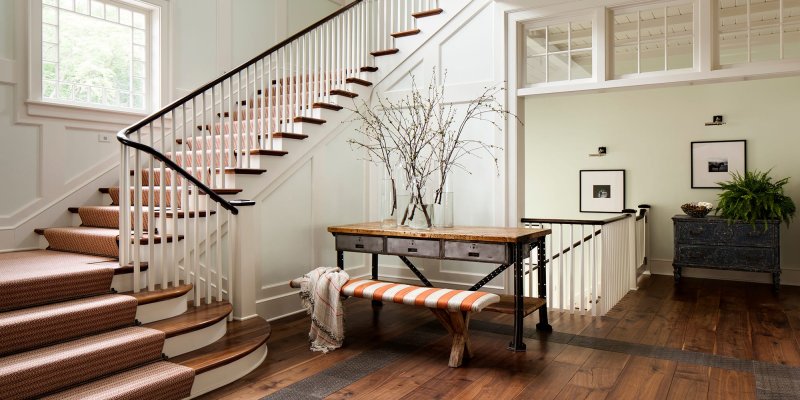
(450, 306)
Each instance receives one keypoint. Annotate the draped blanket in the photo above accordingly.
(320, 294)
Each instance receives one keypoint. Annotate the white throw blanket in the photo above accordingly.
(320, 293)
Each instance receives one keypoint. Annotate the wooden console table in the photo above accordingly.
(504, 246)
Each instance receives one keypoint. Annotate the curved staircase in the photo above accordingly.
(135, 299)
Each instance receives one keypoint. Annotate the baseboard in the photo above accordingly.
(789, 277)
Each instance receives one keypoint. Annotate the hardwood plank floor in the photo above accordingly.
(702, 339)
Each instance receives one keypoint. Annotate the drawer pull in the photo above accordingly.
(412, 250)
(359, 246)
(472, 254)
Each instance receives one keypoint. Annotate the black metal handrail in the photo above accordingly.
(122, 136)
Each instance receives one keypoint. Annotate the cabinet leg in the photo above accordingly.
(776, 281)
(676, 273)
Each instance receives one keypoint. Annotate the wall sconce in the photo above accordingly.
(601, 151)
(716, 120)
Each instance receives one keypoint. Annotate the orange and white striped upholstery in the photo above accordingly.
(446, 299)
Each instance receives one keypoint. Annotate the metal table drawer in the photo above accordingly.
(484, 252)
(413, 247)
(361, 244)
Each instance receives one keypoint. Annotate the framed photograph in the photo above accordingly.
(602, 190)
(713, 162)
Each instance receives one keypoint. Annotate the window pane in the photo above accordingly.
(557, 67)
(138, 20)
(680, 39)
(67, 4)
(112, 98)
(49, 52)
(112, 13)
(791, 41)
(626, 60)
(98, 9)
(581, 35)
(50, 15)
(138, 101)
(49, 33)
(536, 41)
(82, 93)
(581, 64)
(139, 53)
(125, 17)
(50, 2)
(138, 85)
(82, 6)
(557, 38)
(48, 89)
(651, 40)
(138, 36)
(124, 99)
(535, 70)
(49, 71)
(764, 30)
(96, 95)
(139, 69)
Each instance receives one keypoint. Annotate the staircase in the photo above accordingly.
(137, 299)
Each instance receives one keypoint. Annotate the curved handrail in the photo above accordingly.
(574, 221)
(122, 136)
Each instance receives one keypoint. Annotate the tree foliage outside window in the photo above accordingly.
(94, 53)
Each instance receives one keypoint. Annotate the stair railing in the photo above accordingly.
(178, 159)
(591, 264)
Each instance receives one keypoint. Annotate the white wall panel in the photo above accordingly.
(286, 229)
(7, 29)
(19, 158)
(252, 35)
(472, 46)
(80, 143)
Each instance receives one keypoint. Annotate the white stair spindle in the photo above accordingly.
(162, 217)
(174, 207)
(136, 200)
(151, 225)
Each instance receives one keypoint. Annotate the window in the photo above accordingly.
(653, 39)
(99, 53)
(559, 52)
(758, 30)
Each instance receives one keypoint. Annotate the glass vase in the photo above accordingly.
(443, 208)
(388, 204)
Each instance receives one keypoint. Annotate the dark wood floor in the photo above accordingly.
(743, 321)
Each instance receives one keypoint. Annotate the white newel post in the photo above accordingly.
(630, 244)
(244, 227)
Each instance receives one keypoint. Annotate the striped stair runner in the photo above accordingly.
(37, 372)
(155, 381)
(43, 325)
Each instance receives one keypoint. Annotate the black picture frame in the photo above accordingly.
(601, 190)
(712, 161)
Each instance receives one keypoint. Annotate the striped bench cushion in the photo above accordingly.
(446, 299)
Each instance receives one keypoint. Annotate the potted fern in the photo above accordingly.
(752, 197)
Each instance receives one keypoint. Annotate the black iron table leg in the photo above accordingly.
(340, 259)
(517, 344)
(543, 324)
(375, 303)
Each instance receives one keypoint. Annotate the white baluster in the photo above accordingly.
(136, 200)
(151, 225)
(162, 217)
(174, 206)
(218, 236)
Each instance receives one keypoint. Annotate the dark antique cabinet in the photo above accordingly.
(712, 242)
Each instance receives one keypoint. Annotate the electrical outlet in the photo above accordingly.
(103, 137)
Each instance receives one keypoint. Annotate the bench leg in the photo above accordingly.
(457, 324)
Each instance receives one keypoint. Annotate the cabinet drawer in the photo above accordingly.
(734, 258)
(484, 252)
(721, 233)
(362, 244)
(413, 247)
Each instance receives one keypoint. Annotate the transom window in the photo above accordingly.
(758, 30)
(559, 52)
(653, 39)
(97, 53)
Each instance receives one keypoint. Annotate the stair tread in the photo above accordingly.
(162, 379)
(385, 52)
(43, 325)
(263, 152)
(169, 213)
(327, 106)
(104, 232)
(368, 69)
(194, 319)
(344, 93)
(409, 32)
(241, 339)
(310, 120)
(26, 277)
(427, 13)
(147, 297)
(36, 372)
(358, 81)
(243, 171)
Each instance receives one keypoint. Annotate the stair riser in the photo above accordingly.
(194, 340)
(124, 282)
(218, 377)
(157, 311)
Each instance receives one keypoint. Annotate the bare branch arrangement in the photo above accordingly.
(419, 138)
